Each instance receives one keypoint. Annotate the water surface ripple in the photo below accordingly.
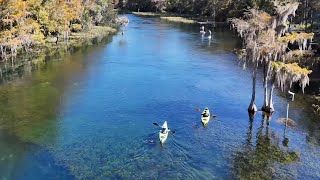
(90, 115)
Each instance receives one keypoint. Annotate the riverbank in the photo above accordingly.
(14, 65)
(178, 18)
(77, 38)
(147, 14)
(167, 17)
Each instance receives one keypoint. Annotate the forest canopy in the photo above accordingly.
(27, 23)
(214, 8)
(221, 10)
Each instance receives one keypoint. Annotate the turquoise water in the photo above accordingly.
(89, 115)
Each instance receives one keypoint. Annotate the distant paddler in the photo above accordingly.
(202, 30)
(209, 37)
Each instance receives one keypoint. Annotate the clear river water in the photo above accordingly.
(90, 115)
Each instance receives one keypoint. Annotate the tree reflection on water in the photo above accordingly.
(257, 160)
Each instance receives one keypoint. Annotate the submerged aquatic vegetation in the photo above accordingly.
(289, 122)
(257, 161)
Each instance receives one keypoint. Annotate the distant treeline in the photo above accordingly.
(220, 10)
(27, 23)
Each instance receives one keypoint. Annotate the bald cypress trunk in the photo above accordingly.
(252, 107)
(271, 107)
(261, 32)
(265, 89)
(266, 105)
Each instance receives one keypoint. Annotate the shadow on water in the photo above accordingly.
(257, 160)
(23, 65)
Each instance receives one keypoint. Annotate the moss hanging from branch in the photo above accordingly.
(296, 37)
(289, 73)
(297, 55)
(284, 9)
(266, 39)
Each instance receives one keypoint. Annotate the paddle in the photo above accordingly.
(172, 131)
(198, 109)
(161, 127)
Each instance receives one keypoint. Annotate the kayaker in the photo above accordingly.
(164, 131)
(205, 113)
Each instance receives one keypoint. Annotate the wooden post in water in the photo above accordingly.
(291, 96)
(287, 113)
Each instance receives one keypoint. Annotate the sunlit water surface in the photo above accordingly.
(90, 114)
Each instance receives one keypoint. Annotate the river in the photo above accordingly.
(90, 115)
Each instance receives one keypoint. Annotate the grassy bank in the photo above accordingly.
(96, 32)
(178, 20)
(167, 17)
(78, 39)
(146, 14)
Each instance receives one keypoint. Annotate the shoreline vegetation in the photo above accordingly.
(32, 30)
(147, 14)
(14, 65)
(95, 32)
(177, 18)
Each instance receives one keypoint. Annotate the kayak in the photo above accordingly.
(205, 116)
(163, 133)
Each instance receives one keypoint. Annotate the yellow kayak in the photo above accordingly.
(205, 116)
